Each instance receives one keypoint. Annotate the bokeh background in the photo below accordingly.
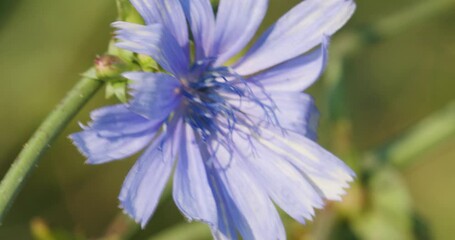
(379, 91)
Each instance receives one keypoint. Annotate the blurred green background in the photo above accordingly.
(388, 86)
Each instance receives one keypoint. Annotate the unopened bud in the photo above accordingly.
(109, 66)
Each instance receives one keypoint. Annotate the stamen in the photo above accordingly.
(209, 94)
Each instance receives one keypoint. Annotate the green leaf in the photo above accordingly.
(117, 89)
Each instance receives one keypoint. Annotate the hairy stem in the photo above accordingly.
(44, 135)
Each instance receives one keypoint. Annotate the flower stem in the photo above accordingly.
(44, 135)
(432, 130)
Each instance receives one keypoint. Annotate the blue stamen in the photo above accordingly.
(208, 106)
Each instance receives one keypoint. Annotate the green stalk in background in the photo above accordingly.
(42, 138)
(429, 132)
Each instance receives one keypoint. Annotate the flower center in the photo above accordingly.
(212, 98)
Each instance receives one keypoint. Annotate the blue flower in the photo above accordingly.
(239, 138)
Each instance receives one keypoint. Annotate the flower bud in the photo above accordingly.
(109, 66)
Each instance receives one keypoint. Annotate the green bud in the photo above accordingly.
(109, 67)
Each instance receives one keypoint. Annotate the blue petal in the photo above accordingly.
(297, 74)
(249, 207)
(236, 23)
(114, 134)
(155, 95)
(225, 228)
(283, 182)
(292, 111)
(202, 22)
(192, 192)
(296, 112)
(146, 181)
(155, 41)
(328, 174)
(168, 13)
(297, 32)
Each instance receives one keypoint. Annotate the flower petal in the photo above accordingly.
(191, 191)
(325, 171)
(301, 29)
(249, 207)
(118, 120)
(225, 228)
(297, 74)
(202, 22)
(146, 181)
(155, 95)
(155, 41)
(296, 112)
(236, 23)
(168, 13)
(114, 134)
(283, 182)
(291, 111)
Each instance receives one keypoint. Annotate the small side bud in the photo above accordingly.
(109, 69)
(109, 66)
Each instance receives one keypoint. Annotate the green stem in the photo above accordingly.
(417, 14)
(44, 135)
(351, 42)
(426, 134)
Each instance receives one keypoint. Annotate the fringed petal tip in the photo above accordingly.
(99, 149)
(79, 143)
(210, 224)
(81, 146)
(127, 25)
(129, 213)
(344, 186)
(81, 125)
(114, 133)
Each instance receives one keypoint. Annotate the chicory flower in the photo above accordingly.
(240, 137)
